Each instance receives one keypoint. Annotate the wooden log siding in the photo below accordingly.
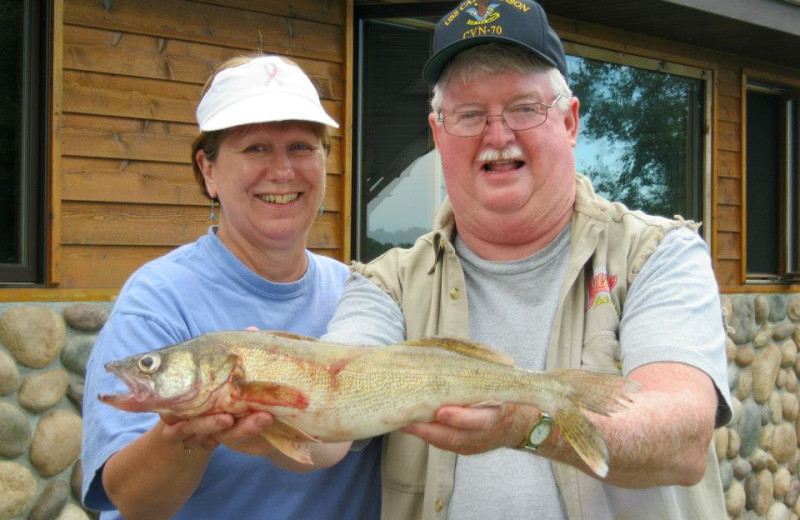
(132, 74)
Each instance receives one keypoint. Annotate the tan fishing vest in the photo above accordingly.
(609, 245)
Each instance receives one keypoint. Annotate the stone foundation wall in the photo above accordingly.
(45, 348)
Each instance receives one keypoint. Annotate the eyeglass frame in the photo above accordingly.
(440, 117)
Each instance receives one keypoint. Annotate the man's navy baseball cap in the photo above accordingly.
(474, 22)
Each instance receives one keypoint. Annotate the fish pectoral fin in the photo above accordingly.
(287, 431)
(584, 437)
(464, 347)
(292, 448)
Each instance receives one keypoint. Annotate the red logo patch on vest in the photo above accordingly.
(599, 288)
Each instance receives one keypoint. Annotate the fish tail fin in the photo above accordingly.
(584, 437)
(600, 393)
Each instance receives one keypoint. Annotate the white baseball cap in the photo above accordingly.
(263, 90)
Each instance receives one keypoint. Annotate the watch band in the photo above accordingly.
(539, 433)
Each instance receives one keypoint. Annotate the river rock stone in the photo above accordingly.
(76, 478)
(9, 374)
(781, 480)
(726, 474)
(730, 349)
(43, 390)
(778, 511)
(15, 431)
(775, 407)
(763, 336)
(734, 444)
(761, 307)
(56, 443)
(778, 308)
(73, 512)
(34, 335)
(75, 394)
(767, 434)
(790, 406)
(76, 352)
(765, 370)
(788, 353)
(791, 380)
(759, 460)
(87, 317)
(51, 501)
(781, 331)
(793, 308)
(744, 385)
(742, 319)
(745, 356)
(19, 488)
(721, 442)
(735, 498)
(749, 427)
(784, 442)
(765, 491)
(794, 491)
(741, 468)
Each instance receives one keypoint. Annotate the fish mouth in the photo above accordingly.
(136, 399)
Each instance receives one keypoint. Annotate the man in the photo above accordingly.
(526, 258)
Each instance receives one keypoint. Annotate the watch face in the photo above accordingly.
(541, 432)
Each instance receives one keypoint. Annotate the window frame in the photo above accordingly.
(789, 164)
(34, 160)
(674, 66)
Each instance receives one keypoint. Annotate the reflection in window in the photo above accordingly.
(640, 136)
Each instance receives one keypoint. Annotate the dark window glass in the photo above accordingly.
(24, 84)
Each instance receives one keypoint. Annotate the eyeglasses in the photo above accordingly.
(517, 117)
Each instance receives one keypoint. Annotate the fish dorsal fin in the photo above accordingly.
(464, 347)
(290, 335)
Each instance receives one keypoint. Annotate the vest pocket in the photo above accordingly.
(602, 353)
(404, 461)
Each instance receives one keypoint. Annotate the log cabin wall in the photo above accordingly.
(128, 75)
(132, 73)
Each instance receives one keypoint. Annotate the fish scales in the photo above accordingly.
(329, 392)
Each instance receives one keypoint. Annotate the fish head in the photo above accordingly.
(176, 380)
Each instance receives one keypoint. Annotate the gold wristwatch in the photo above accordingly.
(539, 432)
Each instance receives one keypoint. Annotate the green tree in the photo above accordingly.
(647, 116)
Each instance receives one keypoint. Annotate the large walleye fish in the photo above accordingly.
(328, 392)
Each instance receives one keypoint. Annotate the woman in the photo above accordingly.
(261, 154)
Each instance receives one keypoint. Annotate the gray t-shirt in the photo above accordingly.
(512, 306)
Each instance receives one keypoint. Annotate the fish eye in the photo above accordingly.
(149, 363)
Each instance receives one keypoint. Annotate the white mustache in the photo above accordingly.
(508, 153)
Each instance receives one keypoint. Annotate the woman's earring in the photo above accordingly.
(212, 216)
(321, 209)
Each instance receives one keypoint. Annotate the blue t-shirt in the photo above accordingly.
(198, 288)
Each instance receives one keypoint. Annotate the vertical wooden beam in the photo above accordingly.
(53, 257)
(743, 166)
(346, 219)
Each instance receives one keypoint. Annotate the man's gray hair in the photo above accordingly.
(495, 58)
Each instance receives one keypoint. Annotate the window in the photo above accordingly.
(24, 88)
(773, 194)
(642, 139)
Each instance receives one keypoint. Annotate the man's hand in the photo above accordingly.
(470, 430)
